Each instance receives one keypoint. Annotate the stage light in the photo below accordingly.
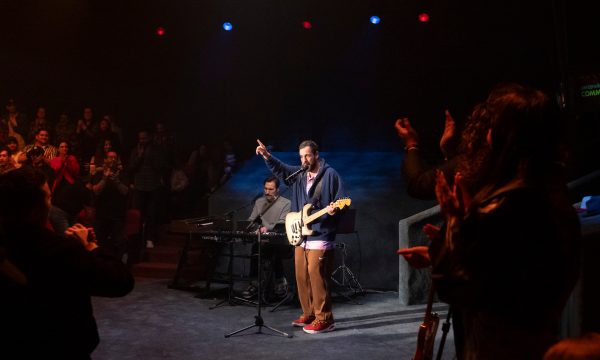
(375, 20)
(423, 17)
(160, 31)
(307, 25)
(227, 26)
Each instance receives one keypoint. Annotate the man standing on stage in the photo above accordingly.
(320, 185)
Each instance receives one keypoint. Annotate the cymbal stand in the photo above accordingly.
(347, 278)
(258, 320)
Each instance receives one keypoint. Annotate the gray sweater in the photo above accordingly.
(276, 213)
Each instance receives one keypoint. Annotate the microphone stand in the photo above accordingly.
(258, 320)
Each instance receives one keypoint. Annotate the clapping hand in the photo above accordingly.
(416, 256)
(448, 135)
(86, 236)
(406, 132)
(454, 201)
(433, 232)
(110, 174)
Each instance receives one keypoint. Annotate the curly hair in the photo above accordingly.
(473, 147)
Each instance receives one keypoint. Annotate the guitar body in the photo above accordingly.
(426, 338)
(427, 331)
(295, 228)
(297, 224)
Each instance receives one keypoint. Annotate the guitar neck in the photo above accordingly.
(314, 216)
(429, 302)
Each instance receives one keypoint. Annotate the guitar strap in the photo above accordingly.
(254, 222)
(317, 194)
(266, 208)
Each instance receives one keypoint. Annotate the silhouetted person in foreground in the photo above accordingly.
(508, 259)
(45, 307)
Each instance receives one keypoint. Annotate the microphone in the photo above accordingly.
(301, 170)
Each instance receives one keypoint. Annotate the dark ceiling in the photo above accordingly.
(342, 83)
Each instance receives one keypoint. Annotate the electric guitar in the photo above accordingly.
(427, 331)
(297, 223)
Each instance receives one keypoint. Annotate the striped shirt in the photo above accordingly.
(50, 151)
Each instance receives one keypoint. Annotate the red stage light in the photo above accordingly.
(423, 17)
(160, 31)
(307, 25)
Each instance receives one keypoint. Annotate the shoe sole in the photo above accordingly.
(330, 328)
(301, 324)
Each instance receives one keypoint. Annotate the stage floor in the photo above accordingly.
(155, 322)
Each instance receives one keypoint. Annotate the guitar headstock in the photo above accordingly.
(342, 203)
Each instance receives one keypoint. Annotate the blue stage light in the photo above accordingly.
(227, 26)
(375, 20)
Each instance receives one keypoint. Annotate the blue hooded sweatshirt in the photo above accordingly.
(332, 189)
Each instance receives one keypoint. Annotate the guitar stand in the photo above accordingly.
(347, 279)
(258, 320)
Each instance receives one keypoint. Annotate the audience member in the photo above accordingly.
(201, 173)
(162, 136)
(68, 192)
(420, 177)
(105, 132)
(117, 129)
(42, 140)
(86, 132)
(110, 189)
(38, 123)
(64, 129)
(147, 166)
(229, 162)
(420, 180)
(511, 301)
(6, 161)
(47, 305)
(15, 123)
(164, 139)
(586, 347)
(179, 189)
(34, 157)
(97, 161)
(18, 156)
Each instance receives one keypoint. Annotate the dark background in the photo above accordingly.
(342, 83)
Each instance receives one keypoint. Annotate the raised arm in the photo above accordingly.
(276, 166)
(261, 150)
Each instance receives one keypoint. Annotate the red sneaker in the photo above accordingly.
(303, 320)
(319, 326)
